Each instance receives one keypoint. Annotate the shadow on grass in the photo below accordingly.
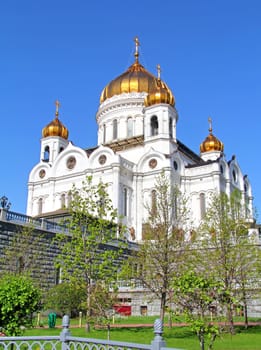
(178, 332)
(249, 330)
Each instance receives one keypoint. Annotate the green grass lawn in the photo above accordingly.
(178, 337)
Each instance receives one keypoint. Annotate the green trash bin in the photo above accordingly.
(52, 320)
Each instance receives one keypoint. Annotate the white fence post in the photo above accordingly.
(158, 342)
(65, 332)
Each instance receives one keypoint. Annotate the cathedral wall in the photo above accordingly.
(132, 154)
(47, 251)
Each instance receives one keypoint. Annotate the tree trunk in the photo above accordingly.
(244, 305)
(88, 311)
(162, 306)
(108, 331)
(201, 340)
(245, 313)
(230, 318)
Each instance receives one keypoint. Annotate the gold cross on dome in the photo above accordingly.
(57, 104)
(210, 124)
(159, 71)
(137, 44)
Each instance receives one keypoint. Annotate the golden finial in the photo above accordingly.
(57, 104)
(159, 71)
(137, 44)
(210, 124)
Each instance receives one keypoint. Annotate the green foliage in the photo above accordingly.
(102, 301)
(66, 298)
(162, 254)
(91, 251)
(18, 300)
(196, 295)
(234, 254)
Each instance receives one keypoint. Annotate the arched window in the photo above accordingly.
(153, 202)
(104, 133)
(46, 154)
(40, 205)
(129, 127)
(63, 200)
(170, 127)
(61, 149)
(154, 126)
(202, 203)
(125, 201)
(115, 129)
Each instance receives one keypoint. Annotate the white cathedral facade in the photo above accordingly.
(136, 140)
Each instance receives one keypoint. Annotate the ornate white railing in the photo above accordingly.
(67, 342)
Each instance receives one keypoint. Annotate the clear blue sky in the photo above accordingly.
(209, 52)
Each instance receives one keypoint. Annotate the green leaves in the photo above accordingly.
(90, 253)
(196, 294)
(162, 254)
(18, 300)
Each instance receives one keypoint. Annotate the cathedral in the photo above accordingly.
(136, 141)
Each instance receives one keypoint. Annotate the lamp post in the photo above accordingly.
(4, 203)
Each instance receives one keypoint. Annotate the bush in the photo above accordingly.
(18, 300)
(66, 298)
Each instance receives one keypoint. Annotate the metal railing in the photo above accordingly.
(65, 341)
(43, 224)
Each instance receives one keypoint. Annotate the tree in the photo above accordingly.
(162, 254)
(18, 300)
(248, 282)
(234, 256)
(90, 253)
(66, 298)
(102, 303)
(196, 295)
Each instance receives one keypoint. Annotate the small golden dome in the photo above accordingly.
(137, 79)
(55, 128)
(211, 143)
(160, 94)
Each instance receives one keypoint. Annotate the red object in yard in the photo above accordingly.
(124, 310)
(2, 334)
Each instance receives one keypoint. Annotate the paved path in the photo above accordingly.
(166, 325)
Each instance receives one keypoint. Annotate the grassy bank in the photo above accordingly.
(179, 337)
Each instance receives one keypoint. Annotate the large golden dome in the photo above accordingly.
(55, 128)
(137, 79)
(211, 142)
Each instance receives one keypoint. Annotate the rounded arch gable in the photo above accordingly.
(152, 161)
(71, 160)
(235, 174)
(102, 156)
(40, 172)
(224, 168)
(177, 164)
(247, 187)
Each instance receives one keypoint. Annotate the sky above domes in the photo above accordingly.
(209, 53)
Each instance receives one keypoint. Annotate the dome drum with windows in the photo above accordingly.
(138, 79)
